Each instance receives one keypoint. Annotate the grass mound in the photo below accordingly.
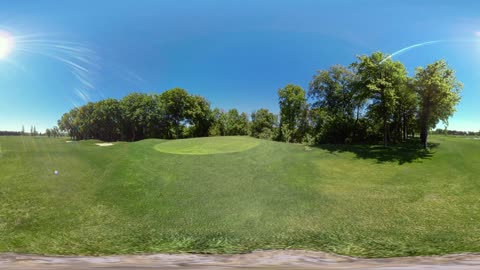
(207, 146)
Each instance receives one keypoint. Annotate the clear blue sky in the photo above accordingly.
(235, 53)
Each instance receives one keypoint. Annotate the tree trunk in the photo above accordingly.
(425, 115)
(424, 130)
(385, 133)
(423, 136)
(177, 129)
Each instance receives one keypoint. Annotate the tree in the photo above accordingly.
(67, 123)
(55, 132)
(106, 120)
(379, 78)
(48, 132)
(199, 116)
(439, 93)
(333, 93)
(286, 133)
(405, 111)
(138, 111)
(218, 126)
(236, 124)
(263, 124)
(176, 102)
(293, 105)
(23, 130)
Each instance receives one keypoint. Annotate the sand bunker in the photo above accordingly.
(104, 144)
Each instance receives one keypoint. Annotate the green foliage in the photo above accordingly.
(236, 124)
(286, 132)
(218, 126)
(379, 78)
(439, 93)
(335, 103)
(293, 113)
(308, 140)
(138, 111)
(172, 114)
(371, 99)
(263, 124)
(199, 116)
(177, 104)
(267, 134)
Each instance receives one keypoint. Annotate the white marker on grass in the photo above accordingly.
(55, 172)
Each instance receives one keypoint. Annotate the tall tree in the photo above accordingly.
(199, 116)
(107, 120)
(439, 93)
(236, 124)
(55, 131)
(263, 124)
(177, 103)
(137, 110)
(219, 123)
(379, 78)
(332, 93)
(293, 104)
(406, 108)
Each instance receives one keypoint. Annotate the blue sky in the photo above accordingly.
(235, 53)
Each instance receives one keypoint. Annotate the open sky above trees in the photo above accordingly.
(236, 54)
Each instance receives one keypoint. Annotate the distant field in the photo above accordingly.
(176, 196)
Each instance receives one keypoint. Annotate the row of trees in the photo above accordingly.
(439, 131)
(171, 115)
(33, 132)
(370, 100)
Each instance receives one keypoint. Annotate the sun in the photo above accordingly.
(7, 43)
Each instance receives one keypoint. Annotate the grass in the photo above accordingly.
(130, 198)
(206, 146)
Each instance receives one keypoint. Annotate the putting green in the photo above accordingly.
(207, 146)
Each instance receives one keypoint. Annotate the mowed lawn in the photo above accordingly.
(143, 197)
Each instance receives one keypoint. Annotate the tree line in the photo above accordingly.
(439, 131)
(370, 100)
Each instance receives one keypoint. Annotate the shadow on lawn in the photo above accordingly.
(408, 152)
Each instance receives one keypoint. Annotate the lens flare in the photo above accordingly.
(82, 62)
(7, 43)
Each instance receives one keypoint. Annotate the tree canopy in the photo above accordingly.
(371, 100)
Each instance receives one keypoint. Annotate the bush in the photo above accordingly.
(308, 140)
(266, 134)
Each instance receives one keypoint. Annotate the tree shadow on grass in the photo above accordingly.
(407, 152)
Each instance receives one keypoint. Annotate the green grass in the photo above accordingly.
(207, 146)
(130, 198)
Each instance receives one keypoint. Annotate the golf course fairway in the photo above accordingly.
(238, 194)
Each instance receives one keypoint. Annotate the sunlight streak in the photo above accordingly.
(7, 43)
(82, 61)
(412, 47)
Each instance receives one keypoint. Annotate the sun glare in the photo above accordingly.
(6, 44)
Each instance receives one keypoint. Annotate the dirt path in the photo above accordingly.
(256, 260)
